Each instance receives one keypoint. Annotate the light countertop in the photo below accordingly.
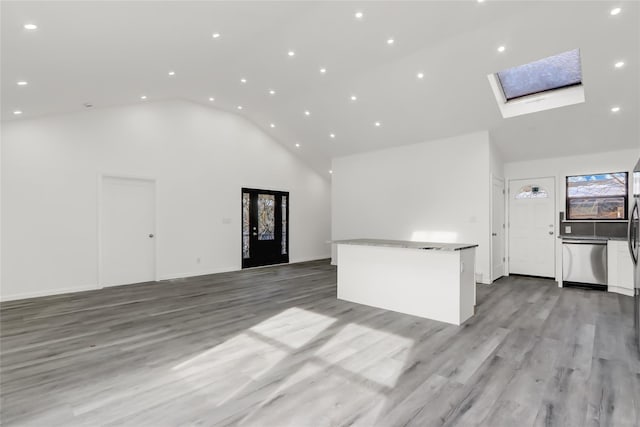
(577, 237)
(436, 246)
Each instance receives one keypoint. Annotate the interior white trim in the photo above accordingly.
(27, 295)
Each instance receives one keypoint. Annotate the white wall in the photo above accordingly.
(200, 157)
(432, 191)
(560, 167)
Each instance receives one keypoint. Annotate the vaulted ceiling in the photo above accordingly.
(113, 53)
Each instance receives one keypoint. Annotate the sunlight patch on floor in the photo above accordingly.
(362, 363)
(294, 327)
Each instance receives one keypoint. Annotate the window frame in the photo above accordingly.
(625, 196)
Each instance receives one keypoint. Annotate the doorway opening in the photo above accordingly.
(532, 240)
(498, 258)
(265, 227)
(127, 231)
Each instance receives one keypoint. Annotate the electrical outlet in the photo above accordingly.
(567, 229)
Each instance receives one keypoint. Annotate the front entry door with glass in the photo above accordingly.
(265, 227)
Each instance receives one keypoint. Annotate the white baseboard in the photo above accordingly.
(620, 290)
(174, 276)
(48, 293)
(312, 258)
(171, 276)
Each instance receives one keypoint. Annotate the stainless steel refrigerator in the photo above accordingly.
(634, 243)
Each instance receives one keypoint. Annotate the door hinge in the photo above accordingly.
(503, 259)
(503, 191)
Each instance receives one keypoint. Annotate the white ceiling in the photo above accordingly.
(111, 53)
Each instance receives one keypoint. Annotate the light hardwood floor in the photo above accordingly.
(273, 347)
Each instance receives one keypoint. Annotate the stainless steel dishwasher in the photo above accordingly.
(584, 262)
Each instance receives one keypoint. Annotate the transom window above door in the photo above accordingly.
(532, 191)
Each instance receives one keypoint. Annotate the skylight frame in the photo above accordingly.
(538, 101)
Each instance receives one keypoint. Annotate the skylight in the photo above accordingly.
(554, 72)
(541, 85)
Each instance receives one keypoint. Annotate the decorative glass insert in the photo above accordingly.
(246, 201)
(597, 196)
(284, 225)
(553, 72)
(266, 216)
(532, 192)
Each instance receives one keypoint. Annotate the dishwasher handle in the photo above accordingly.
(584, 242)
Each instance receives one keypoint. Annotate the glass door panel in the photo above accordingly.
(264, 227)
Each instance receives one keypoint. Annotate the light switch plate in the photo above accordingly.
(567, 229)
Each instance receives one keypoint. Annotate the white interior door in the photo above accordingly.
(532, 239)
(127, 231)
(497, 229)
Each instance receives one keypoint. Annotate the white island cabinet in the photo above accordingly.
(431, 280)
(619, 268)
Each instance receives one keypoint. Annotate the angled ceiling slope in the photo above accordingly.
(372, 74)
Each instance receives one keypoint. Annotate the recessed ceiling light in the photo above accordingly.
(323, 70)
(143, 97)
(216, 35)
(420, 75)
(615, 109)
(297, 145)
(172, 73)
(354, 98)
(332, 135)
(390, 41)
(30, 27)
(501, 49)
(291, 53)
(330, 171)
(272, 125)
(480, 1)
(212, 99)
(307, 113)
(17, 112)
(618, 64)
(22, 83)
(239, 107)
(359, 15)
(243, 81)
(615, 11)
(377, 124)
(272, 92)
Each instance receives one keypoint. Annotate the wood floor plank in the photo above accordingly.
(274, 347)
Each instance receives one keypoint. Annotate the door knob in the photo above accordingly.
(151, 236)
(551, 232)
(494, 234)
(255, 234)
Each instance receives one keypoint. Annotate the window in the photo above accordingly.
(552, 82)
(554, 72)
(597, 197)
(532, 192)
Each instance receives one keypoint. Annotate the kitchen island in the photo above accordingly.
(431, 280)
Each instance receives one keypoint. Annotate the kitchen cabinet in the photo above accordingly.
(620, 268)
